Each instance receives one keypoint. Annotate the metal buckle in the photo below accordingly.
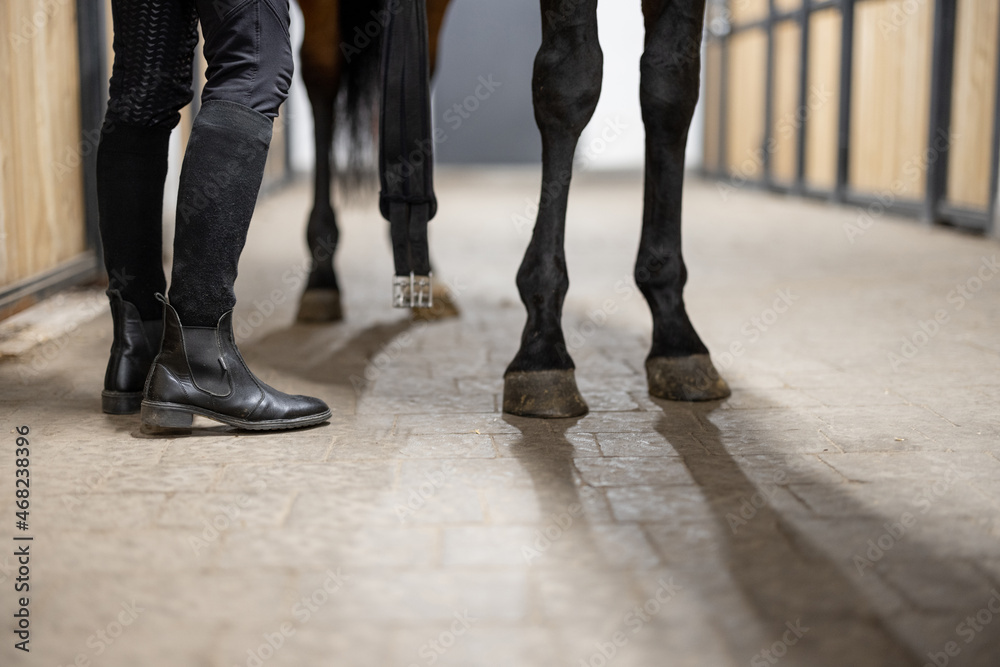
(412, 292)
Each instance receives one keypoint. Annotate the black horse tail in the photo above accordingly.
(362, 23)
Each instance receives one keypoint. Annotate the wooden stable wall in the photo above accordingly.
(55, 60)
(859, 101)
(41, 182)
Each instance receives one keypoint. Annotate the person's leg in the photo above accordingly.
(199, 370)
(151, 81)
(249, 58)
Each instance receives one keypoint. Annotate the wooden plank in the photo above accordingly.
(713, 87)
(40, 141)
(890, 107)
(745, 108)
(823, 99)
(787, 5)
(785, 117)
(972, 103)
(748, 11)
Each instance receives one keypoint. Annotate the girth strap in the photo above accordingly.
(406, 144)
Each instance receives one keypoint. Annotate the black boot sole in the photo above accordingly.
(120, 402)
(166, 418)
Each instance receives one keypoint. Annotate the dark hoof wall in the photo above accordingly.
(692, 378)
(544, 394)
(444, 306)
(120, 402)
(320, 305)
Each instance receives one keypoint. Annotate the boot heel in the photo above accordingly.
(120, 402)
(165, 420)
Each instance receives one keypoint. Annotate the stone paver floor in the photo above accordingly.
(840, 509)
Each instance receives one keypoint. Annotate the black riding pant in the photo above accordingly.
(249, 59)
(247, 49)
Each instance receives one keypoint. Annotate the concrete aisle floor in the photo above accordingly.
(840, 509)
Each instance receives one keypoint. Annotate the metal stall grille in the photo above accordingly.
(883, 103)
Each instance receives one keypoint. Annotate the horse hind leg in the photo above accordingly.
(678, 366)
(321, 70)
(566, 85)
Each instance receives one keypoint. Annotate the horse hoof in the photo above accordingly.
(320, 305)
(691, 378)
(545, 394)
(444, 306)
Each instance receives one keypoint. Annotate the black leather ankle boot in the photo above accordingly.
(199, 371)
(132, 352)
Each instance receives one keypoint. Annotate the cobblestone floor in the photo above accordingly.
(840, 509)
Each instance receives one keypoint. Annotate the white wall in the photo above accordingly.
(297, 107)
(618, 115)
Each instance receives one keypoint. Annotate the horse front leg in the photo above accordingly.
(566, 85)
(678, 366)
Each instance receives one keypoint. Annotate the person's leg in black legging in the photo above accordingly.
(150, 82)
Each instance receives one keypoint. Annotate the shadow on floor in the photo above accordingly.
(345, 365)
(783, 576)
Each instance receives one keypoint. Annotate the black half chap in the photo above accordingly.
(249, 71)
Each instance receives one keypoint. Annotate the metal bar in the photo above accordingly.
(942, 77)
(913, 208)
(820, 5)
(965, 218)
(766, 149)
(993, 211)
(802, 112)
(15, 298)
(723, 102)
(778, 16)
(91, 46)
(844, 120)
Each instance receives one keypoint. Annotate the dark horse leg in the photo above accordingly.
(566, 86)
(678, 366)
(321, 72)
